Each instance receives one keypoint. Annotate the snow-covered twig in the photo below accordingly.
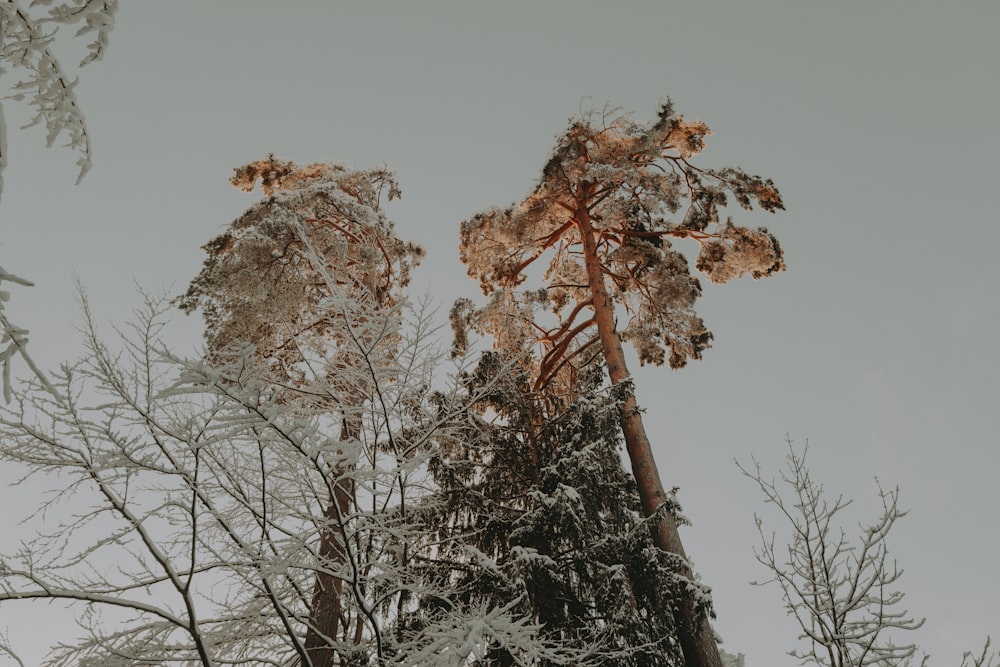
(14, 341)
(26, 46)
(840, 589)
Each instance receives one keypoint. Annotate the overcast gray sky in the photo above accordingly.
(876, 119)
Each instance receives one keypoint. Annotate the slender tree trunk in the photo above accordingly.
(325, 612)
(696, 637)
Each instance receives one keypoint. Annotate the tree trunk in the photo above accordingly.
(324, 614)
(696, 637)
(326, 609)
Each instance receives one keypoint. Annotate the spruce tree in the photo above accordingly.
(536, 484)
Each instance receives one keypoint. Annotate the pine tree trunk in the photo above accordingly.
(326, 609)
(324, 614)
(696, 637)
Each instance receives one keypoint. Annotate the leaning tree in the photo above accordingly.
(610, 199)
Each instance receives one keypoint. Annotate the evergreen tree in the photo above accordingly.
(311, 278)
(535, 481)
(304, 292)
(601, 217)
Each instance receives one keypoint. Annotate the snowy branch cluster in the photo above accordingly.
(633, 186)
(210, 498)
(26, 41)
(14, 339)
(841, 590)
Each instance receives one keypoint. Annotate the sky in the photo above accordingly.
(876, 120)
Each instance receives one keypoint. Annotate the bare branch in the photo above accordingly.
(839, 590)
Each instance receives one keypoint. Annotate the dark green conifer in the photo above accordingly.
(536, 483)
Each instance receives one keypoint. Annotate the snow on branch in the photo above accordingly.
(14, 341)
(841, 589)
(211, 499)
(26, 42)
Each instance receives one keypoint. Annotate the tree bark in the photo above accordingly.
(326, 609)
(696, 636)
(324, 614)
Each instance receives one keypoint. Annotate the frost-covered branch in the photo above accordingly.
(9, 652)
(840, 589)
(14, 341)
(984, 659)
(193, 500)
(26, 46)
(26, 42)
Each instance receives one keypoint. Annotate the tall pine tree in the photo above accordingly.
(311, 277)
(610, 198)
